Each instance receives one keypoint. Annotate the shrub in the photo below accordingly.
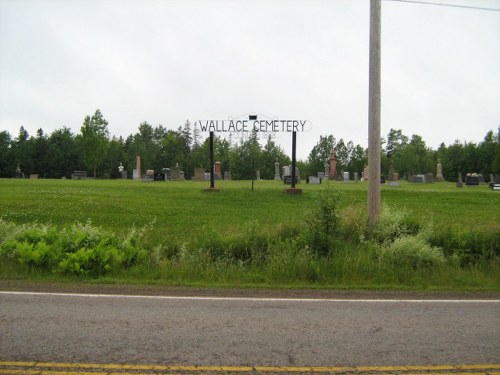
(393, 224)
(411, 252)
(468, 247)
(322, 222)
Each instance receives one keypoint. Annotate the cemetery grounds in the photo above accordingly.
(430, 236)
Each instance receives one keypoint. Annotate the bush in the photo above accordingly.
(322, 223)
(411, 252)
(469, 247)
(393, 224)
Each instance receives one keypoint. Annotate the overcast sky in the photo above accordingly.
(165, 62)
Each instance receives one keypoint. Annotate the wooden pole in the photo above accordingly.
(374, 114)
(294, 148)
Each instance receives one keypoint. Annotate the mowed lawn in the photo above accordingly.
(181, 210)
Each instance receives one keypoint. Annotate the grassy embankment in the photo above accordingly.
(433, 236)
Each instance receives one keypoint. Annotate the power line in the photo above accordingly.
(447, 5)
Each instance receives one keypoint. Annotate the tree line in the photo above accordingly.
(93, 150)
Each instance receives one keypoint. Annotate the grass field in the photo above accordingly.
(179, 213)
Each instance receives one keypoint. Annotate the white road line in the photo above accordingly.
(249, 299)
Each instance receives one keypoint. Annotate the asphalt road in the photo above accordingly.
(247, 331)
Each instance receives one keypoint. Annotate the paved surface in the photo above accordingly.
(247, 331)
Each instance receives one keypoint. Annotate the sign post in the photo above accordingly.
(293, 189)
(212, 177)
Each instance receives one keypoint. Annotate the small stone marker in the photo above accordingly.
(313, 180)
(79, 175)
(418, 179)
(459, 181)
(346, 176)
(227, 176)
(176, 174)
(199, 174)
(149, 176)
(471, 180)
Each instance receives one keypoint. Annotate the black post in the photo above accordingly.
(212, 184)
(294, 144)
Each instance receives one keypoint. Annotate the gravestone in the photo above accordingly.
(356, 178)
(227, 175)
(287, 171)
(199, 174)
(365, 173)
(258, 175)
(459, 180)
(346, 176)
(138, 171)
(217, 170)
(122, 173)
(418, 179)
(176, 174)
(287, 174)
(19, 173)
(149, 176)
(325, 174)
(79, 175)
(332, 172)
(161, 176)
(439, 171)
(495, 182)
(277, 171)
(471, 180)
(313, 180)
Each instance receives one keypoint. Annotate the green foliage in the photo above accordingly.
(323, 222)
(289, 263)
(469, 247)
(259, 238)
(411, 252)
(80, 249)
(393, 224)
(94, 139)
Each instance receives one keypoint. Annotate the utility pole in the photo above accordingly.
(374, 115)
